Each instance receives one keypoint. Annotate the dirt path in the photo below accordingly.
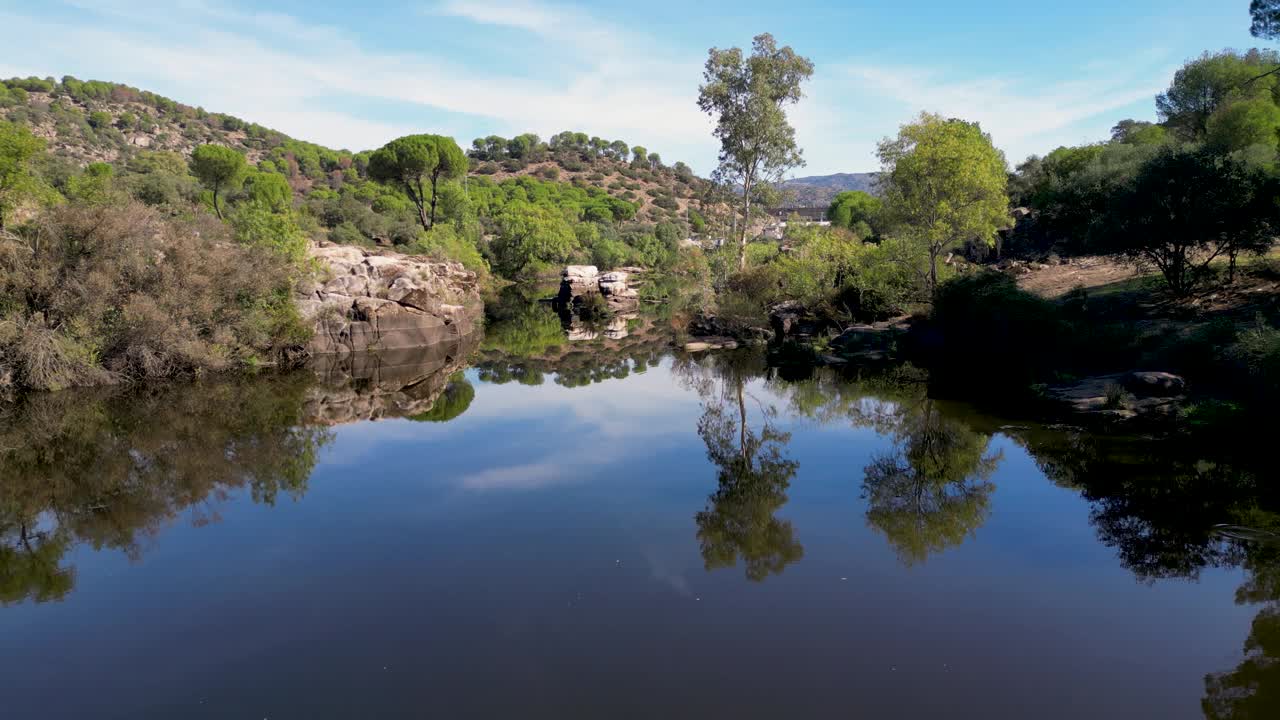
(1053, 281)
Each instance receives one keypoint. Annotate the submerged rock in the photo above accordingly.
(381, 301)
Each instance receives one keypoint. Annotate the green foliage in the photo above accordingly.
(747, 97)
(414, 159)
(944, 184)
(1135, 132)
(1255, 121)
(453, 401)
(530, 236)
(697, 222)
(856, 211)
(99, 119)
(1207, 83)
(270, 190)
(18, 148)
(98, 293)
(259, 225)
(94, 186)
(219, 168)
(1188, 206)
(443, 242)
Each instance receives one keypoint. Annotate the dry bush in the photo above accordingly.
(96, 294)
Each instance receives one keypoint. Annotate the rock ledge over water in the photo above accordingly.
(365, 300)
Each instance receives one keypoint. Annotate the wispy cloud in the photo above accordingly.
(576, 70)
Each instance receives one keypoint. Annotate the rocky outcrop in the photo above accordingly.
(706, 324)
(1144, 383)
(578, 282)
(356, 387)
(872, 343)
(381, 301)
(1109, 397)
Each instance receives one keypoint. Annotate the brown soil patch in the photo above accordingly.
(1053, 281)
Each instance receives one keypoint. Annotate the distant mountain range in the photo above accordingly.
(818, 190)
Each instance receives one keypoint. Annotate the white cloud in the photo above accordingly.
(1023, 114)
(576, 71)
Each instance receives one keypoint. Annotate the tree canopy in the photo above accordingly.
(944, 184)
(856, 211)
(747, 97)
(416, 162)
(219, 168)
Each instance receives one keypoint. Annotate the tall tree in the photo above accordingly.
(416, 162)
(944, 184)
(219, 168)
(747, 97)
(17, 148)
(1208, 82)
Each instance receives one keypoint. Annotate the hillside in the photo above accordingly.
(85, 122)
(818, 190)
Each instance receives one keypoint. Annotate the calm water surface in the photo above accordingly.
(611, 539)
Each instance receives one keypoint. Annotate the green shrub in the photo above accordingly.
(117, 292)
(443, 242)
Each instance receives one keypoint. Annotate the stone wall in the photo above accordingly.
(365, 300)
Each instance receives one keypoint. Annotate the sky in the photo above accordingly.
(355, 75)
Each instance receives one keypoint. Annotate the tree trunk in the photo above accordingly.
(742, 231)
(434, 195)
(742, 424)
(217, 210)
(933, 271)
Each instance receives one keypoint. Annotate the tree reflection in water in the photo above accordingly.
(932, 490)
(109, 467)
(753, 471)
(1173, 507)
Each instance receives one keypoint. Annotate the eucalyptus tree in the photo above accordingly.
(747, 97)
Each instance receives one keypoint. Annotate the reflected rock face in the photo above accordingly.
(386, 302)
(368, 386)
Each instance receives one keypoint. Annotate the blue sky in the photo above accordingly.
(346, 74)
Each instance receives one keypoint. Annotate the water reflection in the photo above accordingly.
(526, 341)
(1174, 507)
(753, 471)
(108, 468)
(932, 489)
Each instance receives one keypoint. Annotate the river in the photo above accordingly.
(602, 528)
